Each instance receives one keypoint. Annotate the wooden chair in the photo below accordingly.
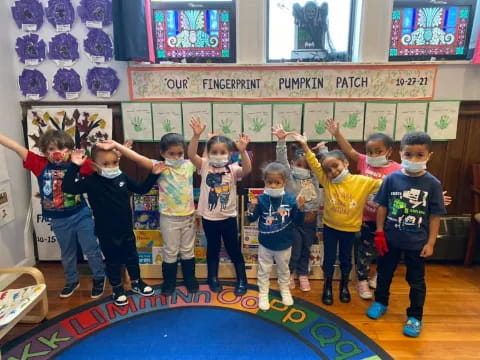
(475, 222)
(16, 304)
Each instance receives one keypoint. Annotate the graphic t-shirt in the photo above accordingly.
(370, 210)
(55, 202)
(410, 200)
(218, 191)
(175, 187)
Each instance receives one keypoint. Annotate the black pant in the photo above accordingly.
(120, 250)
(303, 236)
(227, 230)
(344, 241)
(415, 278)
(366, 251)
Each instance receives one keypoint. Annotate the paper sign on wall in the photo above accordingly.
(194, 110)
(350, 116)
(315, 116)
(167, 118)
(137, 121)
(257, 122)
(410, 117)
(380, 118)
(443, 119)
(289, 116)
(227, 120)
(7, 212)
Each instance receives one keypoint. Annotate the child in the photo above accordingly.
(278, 213)
(218, 201)
(71, 219)
(345, 197)
(300, 181)
(109, 195)
(408, 218)
(177, 210)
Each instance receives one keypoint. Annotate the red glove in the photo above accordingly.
(381, 243)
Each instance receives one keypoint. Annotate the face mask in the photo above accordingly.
(339, 178)
(174, 163)
(377, 161)
(413, 166)
(301, 173)
(58, 157)
(110, 173)
(275, 193)
(218, 161)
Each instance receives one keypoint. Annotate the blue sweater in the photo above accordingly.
(277, 217)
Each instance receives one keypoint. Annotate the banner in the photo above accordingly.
(282, 83)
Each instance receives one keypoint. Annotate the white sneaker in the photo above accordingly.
(363, 290)
(373, 282)
(286, 297)
(263, 301)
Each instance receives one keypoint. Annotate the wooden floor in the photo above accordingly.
(451, 321)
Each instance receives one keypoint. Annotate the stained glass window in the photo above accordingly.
(431, 32)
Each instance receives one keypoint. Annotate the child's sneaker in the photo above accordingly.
(304, 283)
(376, 310)
(140, 287)
(98, 288)
(69, 289)
(119, 296)
(263, 302)
(373, 282)
(363, 290)
(413, 327)
(286, 297)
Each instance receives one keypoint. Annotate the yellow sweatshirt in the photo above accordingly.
(344, 202)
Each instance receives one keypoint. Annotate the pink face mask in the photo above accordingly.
(58, 157)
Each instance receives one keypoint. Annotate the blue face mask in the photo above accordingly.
(377, 161)
(174, 163)
(275, 193)
(339, 178)
(414, 166)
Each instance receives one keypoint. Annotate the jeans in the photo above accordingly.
(344, 241)
(265, 262)
(227, 230)
(366, 251)
(78, 227)
(120, 250)
(386, 267)
(178, 234)
(303, 236)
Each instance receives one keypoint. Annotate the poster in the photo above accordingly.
(227, 120)
(380, 118)
(202, 110)
(289, 116)
(148, 238)
(410, 117)
(443, 119)
(137, 121)
(257, 122)
(350, 116)
(315, 116)
(7, 211)
(157, 255)
(167, 118)
(3, 165)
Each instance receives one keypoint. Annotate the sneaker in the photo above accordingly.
(304, 283)
(363, 290)
(292, 282)
(286, 297)
(141, 288)
(119, 296)
(263, 302)
(413, 327)
(376, 310)
(373, 282)
(98, 288)
(69, 289)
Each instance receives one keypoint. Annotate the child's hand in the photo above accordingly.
(447, 200)
(301, 139)
(381, 243)
(253, 203)
(242, 143)
(279, 132)
(427, 250)
(106, 145)
(300, 202)
(320, 147)
(128, 144)
(332, 127)
(159, 167)
(78, 157)
(197, 126)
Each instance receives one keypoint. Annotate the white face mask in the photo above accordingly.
(110, 173)
(413, 166)
(301, 173)
(377, 161)
(218, 161)
(339, 178)
(174, 163)
(275, 193)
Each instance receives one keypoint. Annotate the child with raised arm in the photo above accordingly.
(408, 218)
(71, 218)
(345, 197)
(218, 201)
(109, 195)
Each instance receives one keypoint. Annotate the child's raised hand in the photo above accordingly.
(128, 144)
(300, 202)
(447, 200)
(197, 126)
(279, 132)
(106, 145)
(78, 157)
(159, 167)
(242, 143)
(301, 139)
(320, 147)
(333, 127)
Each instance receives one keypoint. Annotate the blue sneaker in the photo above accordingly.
(413, 327)
(376, 310)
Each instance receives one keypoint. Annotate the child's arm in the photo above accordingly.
(433, 227)
(145, 186)
(312, 161)
(298, 213)
(253, 211)
(198, 127)
(141, 160)
(13, 145)
(281, 135)
(69, 184)
(381, 216)
(334, 129)
(241, 145)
